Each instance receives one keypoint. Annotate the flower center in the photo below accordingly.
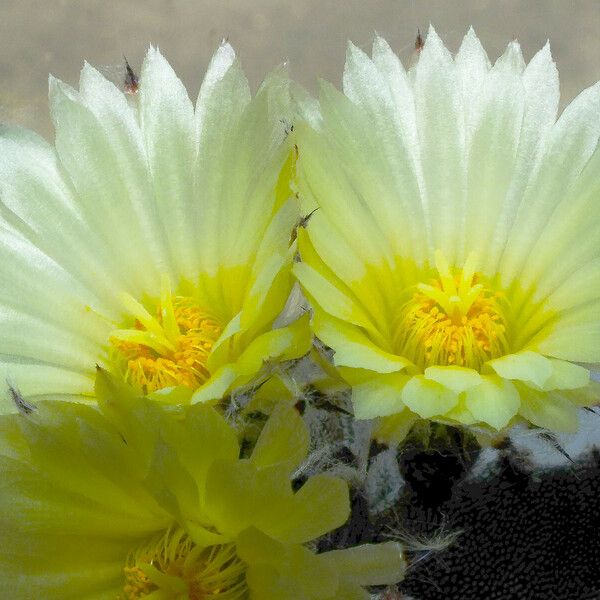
(169, 349)
(174, 565)
(453, 320)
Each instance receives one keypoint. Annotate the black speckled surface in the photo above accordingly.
(525, 536)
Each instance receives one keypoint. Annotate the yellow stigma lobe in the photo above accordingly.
(169, 349)
(455, 320)
(174, 565)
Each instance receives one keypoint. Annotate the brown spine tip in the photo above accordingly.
(419, 42)
(131, 83)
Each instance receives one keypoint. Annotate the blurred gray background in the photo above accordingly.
(56, 36)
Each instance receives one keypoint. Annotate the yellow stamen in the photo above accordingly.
(168, 350)
(173, 563)
(453, 320)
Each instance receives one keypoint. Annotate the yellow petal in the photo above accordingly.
(369, 564)
(308, 571)
(285, 343)
(278, 389)
(460, 413)
(330, 298)
(217, 386)
(238, 496)
(585, 396)
(379, 396)
(428, 398)
(494, 401)
(267, 583)
(573, 341)
(321, 505)
(284, 440)
(550, 410)
(523, 366)
(351, 591)
(457, 379)
(352, 346)
(201, 437)
(393, 430)
(566, 376)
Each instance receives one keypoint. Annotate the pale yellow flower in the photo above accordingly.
(453, 261)
(153, 238)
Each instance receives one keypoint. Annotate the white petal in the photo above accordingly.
(541, 90)
(35, 338)
(392, 70)
(386, 124)
(250, 195)
(39, 203)
(43, 382)
(491, 159)
(576, 339)
(580, 287)
(101, 149)
(33, 284)
(222, 100)
(440, 124)
(549, 410)
(369, 289)
(512, 60)
(569, 146)
(168, 127)
(472, 66)
(318, 169)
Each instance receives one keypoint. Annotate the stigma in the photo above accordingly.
(170, 348)
(455, 319)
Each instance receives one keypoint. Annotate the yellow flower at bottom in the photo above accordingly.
(453, 262)
(140, 501)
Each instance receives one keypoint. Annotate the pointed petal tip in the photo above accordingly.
(87, 70)
(512, 58)
(433, 39)
(224, 54)
(471, 37)
(544, 56)
(433, 50)
(226, 48)
(380, 44)
(57, 86)
(547, 50)
(89, 73)
(355, 52)
(152, 52)
(470, 42)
